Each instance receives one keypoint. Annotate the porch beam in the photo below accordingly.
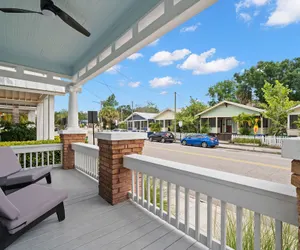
(167, 15)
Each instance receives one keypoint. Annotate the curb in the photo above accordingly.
(253, 149)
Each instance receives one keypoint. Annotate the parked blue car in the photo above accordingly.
(200, 140)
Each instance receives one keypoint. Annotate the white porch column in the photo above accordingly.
(73, 110)
(200, 124)
(51, 117)
(148, 125)
(140, 125)
(288, 122)
(164, 129)
(216, 124)
(46, 119)
(31, 116)
(40, 121)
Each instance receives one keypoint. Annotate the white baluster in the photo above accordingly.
(278, 234)
(154, 195)
(197, 217)
(239, 228)
(256, 231)
(53, 158)
(132, 185)
(143, 190)
(148, 192)
(177, 205)
(187, 211)
(169, 202)
(209, 222)
(161, 193)
(24, 160)
(137, 187)
(43, 159)
(223, 225)
(36, 159)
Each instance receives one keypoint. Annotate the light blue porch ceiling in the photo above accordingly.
(47, 43)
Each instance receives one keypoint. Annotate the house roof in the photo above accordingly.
(168, 109)
(234, 104)
(146, 116)
(293, 108)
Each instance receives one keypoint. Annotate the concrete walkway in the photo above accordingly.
(250, 148)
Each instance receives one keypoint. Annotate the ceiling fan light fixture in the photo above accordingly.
(48, 13)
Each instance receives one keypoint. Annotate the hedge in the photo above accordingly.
(36, 161)
(247, 141)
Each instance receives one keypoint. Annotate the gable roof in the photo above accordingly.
(293, 108)
(146, 116)
(168, 109)
(234, 104)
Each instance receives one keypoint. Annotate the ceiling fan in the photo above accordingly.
(48, 8)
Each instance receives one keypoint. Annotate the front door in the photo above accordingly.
(228, 126)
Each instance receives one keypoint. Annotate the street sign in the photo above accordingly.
(180, 123)
(255, 129)
(92, 116)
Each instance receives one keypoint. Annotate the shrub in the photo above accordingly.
(23, 143)
(155, 127)
(17, 132)
(245, 131)
(247, 141)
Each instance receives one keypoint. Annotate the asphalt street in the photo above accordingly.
(257, 165)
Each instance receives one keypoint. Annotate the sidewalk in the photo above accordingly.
(250, 148)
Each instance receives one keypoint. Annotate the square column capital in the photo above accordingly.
(121, 136)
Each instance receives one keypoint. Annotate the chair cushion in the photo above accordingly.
(27, 176)
(9, 163)
(32, 201)
(7, 209)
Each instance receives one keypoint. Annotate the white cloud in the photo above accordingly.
(286, 12)
(249, 3)
(245, 17)
(135, 56)
(164, 58)
(163, 82)
(134, 84)
(113, 70)
(154, 43)
(200, 66)
(190, 28)
(163, 93)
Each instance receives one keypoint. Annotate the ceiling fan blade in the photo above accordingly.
(15, 10)
(70, 21)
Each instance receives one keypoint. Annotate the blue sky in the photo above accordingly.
(226, 38)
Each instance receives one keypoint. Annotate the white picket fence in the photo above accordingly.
(274, 141)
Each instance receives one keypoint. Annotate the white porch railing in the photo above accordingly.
(275, 141)
(86, 159)
(224, 192)
(32, 156)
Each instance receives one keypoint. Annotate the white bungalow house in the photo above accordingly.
(140, 121)
(220, 118)
(166, 117)
(293, 116)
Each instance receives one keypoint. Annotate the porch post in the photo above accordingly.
(46, 119)
(291, 150)
(200, 124)
(262, 125)
(73, 133)
(165, 125)
(216, 125)
(147, 125)
(40, 121)
(50, 117)
(114, 179)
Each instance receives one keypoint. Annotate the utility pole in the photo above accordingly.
(132, 115)
(175, 94)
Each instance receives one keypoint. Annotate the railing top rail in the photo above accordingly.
(272, 199)
(37, 148)
(88, 149)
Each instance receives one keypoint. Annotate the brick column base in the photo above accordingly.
(68, 152)
(114, 179)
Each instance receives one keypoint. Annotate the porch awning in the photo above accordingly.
(44, 49)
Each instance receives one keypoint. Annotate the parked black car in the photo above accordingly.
(162, 137)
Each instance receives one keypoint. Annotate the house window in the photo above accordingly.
(266, 123)
(293, 118)
(212, 122)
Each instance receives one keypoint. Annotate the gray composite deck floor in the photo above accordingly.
(91, 223)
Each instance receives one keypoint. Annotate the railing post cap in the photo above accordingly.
(73, 132)
(121, 136)
(291, 148)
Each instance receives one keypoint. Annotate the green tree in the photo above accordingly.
(82, 116)
(287, 72)
(277, 105)
(124, 111)
(59, 116)
(110, 102)
(225, 90)
(187, 116)
(243, 93)
(155, 127)
(149, 108)
(109, 115)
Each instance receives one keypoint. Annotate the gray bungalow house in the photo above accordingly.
(139, 121)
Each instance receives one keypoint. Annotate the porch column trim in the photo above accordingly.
(73, 110)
